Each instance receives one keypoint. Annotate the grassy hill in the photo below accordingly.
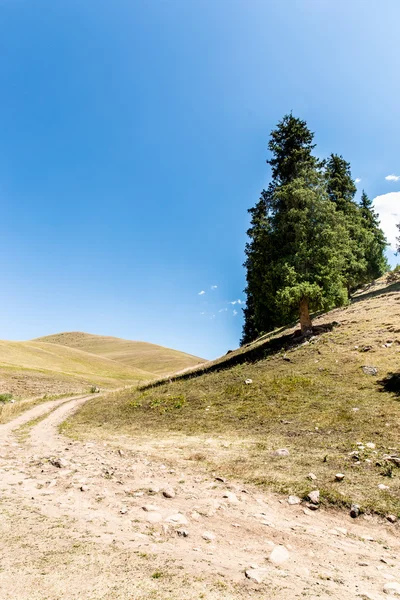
(332, 401)
(139, 355)
(39, 368)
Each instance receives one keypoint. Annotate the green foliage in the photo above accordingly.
(5, 398)
(291, 147)
(162, 403)
(340, 186)
(298, 240)
(310, 244)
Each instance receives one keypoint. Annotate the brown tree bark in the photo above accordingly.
(305, 320)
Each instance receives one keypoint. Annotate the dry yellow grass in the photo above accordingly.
(36, 368)
(315, 400)
(139, 355)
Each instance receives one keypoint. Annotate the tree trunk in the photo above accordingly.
(305, 320)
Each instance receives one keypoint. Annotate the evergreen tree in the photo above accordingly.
(259, 313)
(291, 145)
(341, 191)
(340, 185)
(298, 240)
(313, 243)
(376, 242)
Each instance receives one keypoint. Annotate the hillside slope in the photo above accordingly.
(38, 368)
(332, 401)
(140, 355)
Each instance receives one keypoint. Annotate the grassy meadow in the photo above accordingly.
(312, 398)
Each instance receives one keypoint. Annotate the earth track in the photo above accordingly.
(72, 526)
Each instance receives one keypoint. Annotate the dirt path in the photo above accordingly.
(73, 525)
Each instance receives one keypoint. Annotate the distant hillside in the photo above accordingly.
(139, 355)
(38, 368)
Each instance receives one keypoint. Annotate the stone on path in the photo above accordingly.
(279, 555)
(312, 476)
(169, 493)
(339, 476)
(60, 463)
(292, 500)
(179, 519)
(392, 588)
(150, 508)
(258, 575)
(182, 532)
(314, 497)
(354, 511)
(391, 518)
(208, 536)
(153, 517)
(231, 497)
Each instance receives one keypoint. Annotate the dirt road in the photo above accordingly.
(92, 521)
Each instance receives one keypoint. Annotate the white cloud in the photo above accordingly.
(392, 177)
(388, 208)
(223, 310)
(214, 287)
(237, 302)
(201, 293)
(357, 180)
(235, 312)
(203, 313)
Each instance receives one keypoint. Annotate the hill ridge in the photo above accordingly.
(157, 359)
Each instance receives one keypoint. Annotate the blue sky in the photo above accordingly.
(133, 140)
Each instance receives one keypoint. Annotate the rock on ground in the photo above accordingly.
(279, 555)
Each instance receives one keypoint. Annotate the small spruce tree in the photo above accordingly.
(291, 145)
(341, 191)
(375, 241)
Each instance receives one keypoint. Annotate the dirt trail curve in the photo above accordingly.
(91, 521)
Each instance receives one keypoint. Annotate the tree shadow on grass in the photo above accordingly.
(390, 383)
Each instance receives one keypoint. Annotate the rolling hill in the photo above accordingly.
(39, 368)
(138, 355)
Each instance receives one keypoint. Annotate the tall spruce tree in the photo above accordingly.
(291, 145)
(296, 264)
(375, 242)
(341, 191)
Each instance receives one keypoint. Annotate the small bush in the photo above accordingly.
(6, 398)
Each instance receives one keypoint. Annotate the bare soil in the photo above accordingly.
(79, 530)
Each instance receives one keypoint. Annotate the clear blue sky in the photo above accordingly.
(133, 140)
